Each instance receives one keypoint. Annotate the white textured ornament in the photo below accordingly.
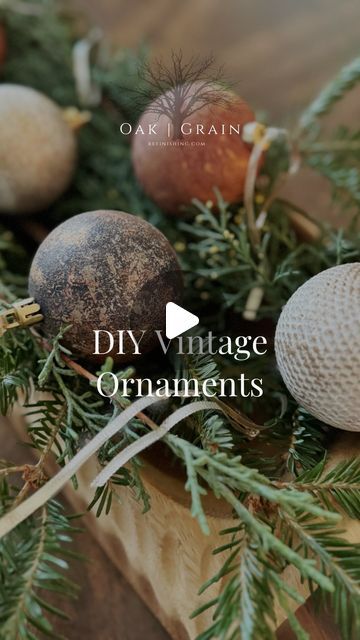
(317, 345)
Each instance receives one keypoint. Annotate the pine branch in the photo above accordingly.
(320, 540)
(130, 433)
(337, 559)
(18, 359)
(220, 469)
(245, 608)
(348, 77)
(211, 427)
(14, 377)
(345, 180)
(222, 269)
(339, 487)
(299, 438)
(255, 565)
(242, 609)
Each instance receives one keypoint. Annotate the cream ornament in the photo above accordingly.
(317, 345)
(38, 150)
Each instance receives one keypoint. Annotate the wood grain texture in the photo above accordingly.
(107, 607)
(279, 53)
(144, 548)
(163, 553)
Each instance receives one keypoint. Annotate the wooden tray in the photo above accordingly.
(163, 553)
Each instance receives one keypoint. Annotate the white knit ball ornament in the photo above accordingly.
(317, 345)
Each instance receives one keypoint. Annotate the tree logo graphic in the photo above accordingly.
(180, 88)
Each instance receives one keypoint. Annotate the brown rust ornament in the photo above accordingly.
(176, 161)
(105, 270)
(2, 44)
(37, 150)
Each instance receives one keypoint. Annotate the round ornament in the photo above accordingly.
(108, 271)
(37, 150)
(180, 157)
(317, 345)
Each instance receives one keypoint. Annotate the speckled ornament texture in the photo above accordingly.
(173, 172)
(317, 346)
(105, 270)
(37, 150)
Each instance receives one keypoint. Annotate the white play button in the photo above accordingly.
(178, 320)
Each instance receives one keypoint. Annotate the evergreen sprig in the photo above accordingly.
(244, 609)
(210, 428)
(337, 558)
(339, 486)
(34, 563)
(338, 160)
(347, 78)
(222, 269)
(277, 523)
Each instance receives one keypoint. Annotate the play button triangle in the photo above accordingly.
(178, 320)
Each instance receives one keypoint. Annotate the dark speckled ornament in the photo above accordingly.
(105, 270)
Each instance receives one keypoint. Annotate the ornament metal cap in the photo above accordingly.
(21, 314)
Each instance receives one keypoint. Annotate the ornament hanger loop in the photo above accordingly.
(261, 137)
(88, 92)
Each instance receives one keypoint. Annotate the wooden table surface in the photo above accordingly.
(279, 53)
